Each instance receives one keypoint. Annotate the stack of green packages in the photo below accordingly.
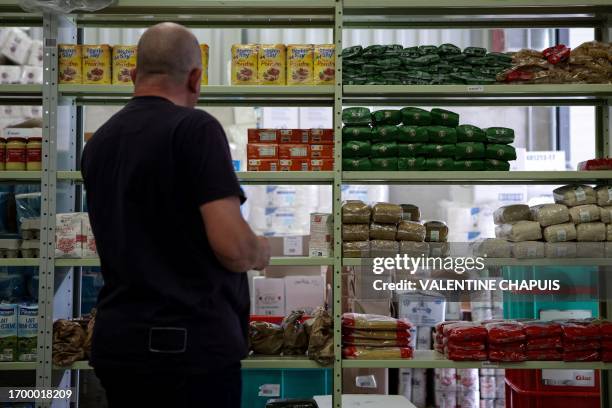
(423, 65)
(414, 139)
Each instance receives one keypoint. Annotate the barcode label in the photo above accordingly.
(475, 88)
(269, 390)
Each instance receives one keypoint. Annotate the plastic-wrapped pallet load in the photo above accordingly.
(584, 213)
(550, 214)
(519, 231)
(573, 195)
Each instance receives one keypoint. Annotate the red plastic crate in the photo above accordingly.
(524, 389)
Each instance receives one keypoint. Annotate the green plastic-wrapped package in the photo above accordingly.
(363, 164)
(475, 51)
(469, 165)
(373, 51)
(500, 56)
(441, 134)
(361, 133)
(449, 49)
(389, 63)
(501, 152)
(500, 135)
(440, 164)
(384, 164)
(411, 163)
(387, 117)
(412, 134)
(415, 116)
(469, 133)
(356, 116)
(428, 49)
(444, 117)
(352, 52)
(387, 133)
(469, 150)
(439, 150)
(409, 149)
(355, 149)
(496, 165)
(388, 149)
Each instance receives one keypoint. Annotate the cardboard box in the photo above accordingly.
(294, 136)
(321, 151)
(262, 135)
(262, 151)
(304, 293)
(293, 151)
(365, 381)
(322, 136)
(296, 245)
(321, 226)
(275, 271)
(293, 164)
(262, 165)
(317, 250)
(268, 296)
(369, 306)
(422, 309)
(321, 164)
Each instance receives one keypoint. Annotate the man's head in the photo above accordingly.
(169, 64)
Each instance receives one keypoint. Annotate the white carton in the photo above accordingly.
(320, 249)
(36, 54)
(419, 387)
(321, 226)
(10, 74)
(488, 385)
(67, 236)
(405, 382)
(17, 46)
(268, 296)
(27, 331)
(445, 380)
(422, 309)
(31, 75)
(304, 293)
(8, 331)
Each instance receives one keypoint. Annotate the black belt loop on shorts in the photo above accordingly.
(167, 340)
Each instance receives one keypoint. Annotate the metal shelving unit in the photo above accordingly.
(61, 104)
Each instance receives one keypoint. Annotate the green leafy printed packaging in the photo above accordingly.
(439, 150)
(475, 52)
(27, 330)
(500, 152)
(469, 165)
(384, 164)
(356, 148)
(412, 134)
(442, 134)
(363, 164)
(500, 135)
(409, 149)
(469, 133)
(444, 117)
(496, 165)
(359, 133)
(8, 332)
(356, 116)
(385, 133)
(415, 116)
(380, 150)
(386, 117)
(449, 49)
(440, 164)
(469, 150)
(411, 163)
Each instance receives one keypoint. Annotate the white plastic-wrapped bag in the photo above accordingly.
(584, 213)
(550, 214)
(519, 231)
(574, 195)
(560, 232)
(63, 6)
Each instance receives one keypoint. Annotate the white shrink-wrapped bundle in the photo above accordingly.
(468, 399)
(419, 387)
(88, 240)
(511, 213)
(445, 399)
(604, 195)
(445, 380)
(423, 338)
(528, 249)
(590, 250)
(560, 249)
(519, 231)
(591, 232)
(584, 213)
(68, 236)
(487, 387)
(405, 382)
(560, 232)
(467, 379)
(550, 214)
(492, 248)
(487, 403)
(574, 195)
(605, 214)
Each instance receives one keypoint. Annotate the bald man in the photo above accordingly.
(164, 204)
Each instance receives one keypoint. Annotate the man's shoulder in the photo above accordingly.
(199, 118)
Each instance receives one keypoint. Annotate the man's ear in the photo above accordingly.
(194, 80)
(133, 75)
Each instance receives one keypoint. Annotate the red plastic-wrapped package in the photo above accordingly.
(595, 164)
(580, 330)
(606, 344)
(377, 353)
(536, 330)
(518, 347)
(465, 331)
(605, 328)
(544, 355)
(460, 355)
(556, 54)
(587, 355)
(544, 343)
(374, 322)
(439, 348)
(507, 356)
(439, 338)
(569, 346)
(466, 345)
(505, 332)
(439, 328)
(606, 356)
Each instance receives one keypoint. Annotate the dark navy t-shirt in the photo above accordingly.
(147, 171)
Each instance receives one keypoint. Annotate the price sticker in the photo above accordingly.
(475, 88)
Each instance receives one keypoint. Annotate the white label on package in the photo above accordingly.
(585, 216)
(298, 152)
(532, 251)
(573, 378)
(267, 151)
(435, 236)
(365, 381)
(562, 250)
(580, 194)
(562, 235)
(269, 390)
(292, 246)
(609, 193)
(489, 364)
(267, 136)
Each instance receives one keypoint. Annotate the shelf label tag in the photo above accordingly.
(489, 364)
(475, 88)
(292, 246)
(572, 378)
(269, 390)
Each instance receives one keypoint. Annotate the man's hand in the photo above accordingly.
(264, 254)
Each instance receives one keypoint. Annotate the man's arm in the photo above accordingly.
(231, 238)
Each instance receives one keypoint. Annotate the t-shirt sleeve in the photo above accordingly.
(209, 164)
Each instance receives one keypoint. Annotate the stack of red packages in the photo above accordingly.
(506, 341)
(581, 340)
(465, 341)
(439, 335)
(605, 330)
(543, 341)
(368, 336)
